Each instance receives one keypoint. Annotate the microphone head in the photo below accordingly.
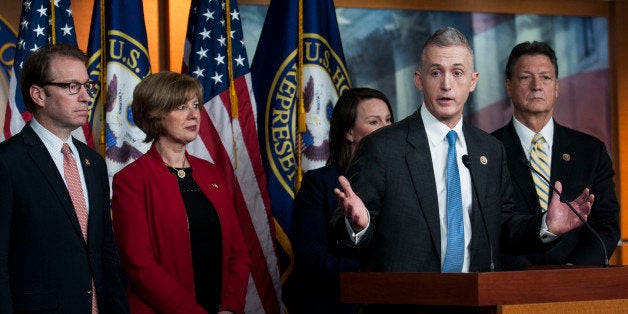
(466, 161)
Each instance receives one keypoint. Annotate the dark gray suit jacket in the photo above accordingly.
(45, 264)
(392, 172)
(579, 161)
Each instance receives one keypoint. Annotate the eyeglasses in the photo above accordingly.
(75, 87)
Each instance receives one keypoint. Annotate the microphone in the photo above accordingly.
(466, 160)
(526, 163)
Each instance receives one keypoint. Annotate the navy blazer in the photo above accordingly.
(393, 174)
(45, 264)
(314, 286)
(579, 161)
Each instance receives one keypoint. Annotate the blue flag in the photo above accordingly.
(40, 24)
(8, 41)
(126, 63)
(287, 152)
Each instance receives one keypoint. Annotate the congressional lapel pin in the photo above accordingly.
(483, 160)
(566, 157)
(86, 161)
(215, 185)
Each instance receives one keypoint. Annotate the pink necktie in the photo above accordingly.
(78, 199)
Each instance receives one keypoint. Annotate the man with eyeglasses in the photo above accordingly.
(57, 251)
(558, 153)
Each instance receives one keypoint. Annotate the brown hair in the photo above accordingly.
(158, 94)
(36, 68)
(533, 49)
(343, 118)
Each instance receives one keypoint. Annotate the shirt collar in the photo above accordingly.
(51, 141)
(526, 135)
(436, 130)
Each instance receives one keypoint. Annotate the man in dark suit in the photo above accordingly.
(398, 216)
(57, 251)
(576, 159)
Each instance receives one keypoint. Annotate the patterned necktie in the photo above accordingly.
(540, 162)
(72, 179)
(455, 227)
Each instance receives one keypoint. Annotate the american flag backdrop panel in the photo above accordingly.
(42, 22)
(228, 137)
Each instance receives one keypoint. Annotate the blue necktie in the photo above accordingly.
(455, 226)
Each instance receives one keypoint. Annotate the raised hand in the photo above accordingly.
(560, 219)
(352, 206)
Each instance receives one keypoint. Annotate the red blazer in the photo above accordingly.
(151, 230)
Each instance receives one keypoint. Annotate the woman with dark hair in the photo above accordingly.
(174, 215)
(315, 281)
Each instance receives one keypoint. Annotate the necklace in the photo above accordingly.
(180, 172)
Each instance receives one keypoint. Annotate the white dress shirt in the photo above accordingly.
(439, 147)
(54, 144)
(525, 137)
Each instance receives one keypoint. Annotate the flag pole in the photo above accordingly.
(233, 98)
(301, 103)
(103, 78)
(53, 22)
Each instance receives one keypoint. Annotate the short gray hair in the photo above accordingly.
(446, 37)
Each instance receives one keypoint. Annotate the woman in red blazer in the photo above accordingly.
(173, 214)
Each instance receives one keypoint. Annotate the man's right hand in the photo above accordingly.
(352, 206)
(560, 219)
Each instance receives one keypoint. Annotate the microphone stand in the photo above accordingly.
(466, 160)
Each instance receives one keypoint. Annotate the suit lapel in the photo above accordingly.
(419, 161)
(92, 189)
(479, 161)
(42, 159)
(561, 156)
(520, 174)
(477, 152)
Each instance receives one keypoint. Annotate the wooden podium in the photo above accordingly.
(565, 290)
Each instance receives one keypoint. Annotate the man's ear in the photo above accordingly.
(38, 95)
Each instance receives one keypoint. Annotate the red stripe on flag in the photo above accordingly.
(249, 133)
(89, 138)
(7, 122)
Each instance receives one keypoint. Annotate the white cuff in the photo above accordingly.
(545, 234)
(356, 237)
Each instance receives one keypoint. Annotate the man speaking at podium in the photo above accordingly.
(576, 159)
(414, 206)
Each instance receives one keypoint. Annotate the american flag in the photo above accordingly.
(228, 136)
(41, 23)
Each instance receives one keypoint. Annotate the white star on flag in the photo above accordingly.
(42, 11)
(219, 59)
(202, 53)
(205, 33)
(217, 78)
(67, 30)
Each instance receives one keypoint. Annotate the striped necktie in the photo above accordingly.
(73, 181)
(540, 162)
